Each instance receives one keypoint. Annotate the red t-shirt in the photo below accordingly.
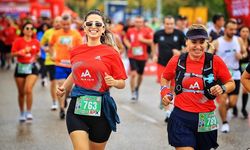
(138, 49)
(195, 102)
(19, 44)
(10, 34)
(90, 63)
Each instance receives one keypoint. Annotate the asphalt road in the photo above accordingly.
(142, 126)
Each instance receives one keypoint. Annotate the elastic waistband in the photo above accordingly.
(178, 110)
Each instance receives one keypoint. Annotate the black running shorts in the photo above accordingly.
(33, 72)
(137, 65)
(97, 127)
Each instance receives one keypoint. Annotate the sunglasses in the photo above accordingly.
(96, 23)
(28, 28)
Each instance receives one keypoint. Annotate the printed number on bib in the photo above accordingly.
(88, 105)
(207, 122)
(137, 51)
(24, 68)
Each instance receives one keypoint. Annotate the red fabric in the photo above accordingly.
(192, 102)
(239, 9)
(90, 63)
(20, 44)
(10, 34)
(165, 91)
(133, 36)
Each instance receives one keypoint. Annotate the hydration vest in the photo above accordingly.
(207, 76)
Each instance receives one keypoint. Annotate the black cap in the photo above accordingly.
(193, 34)
(180, 17)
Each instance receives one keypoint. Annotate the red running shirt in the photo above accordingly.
(20, 44)
(138, 49)
(90, 63)
(195, 102)
(10, 35)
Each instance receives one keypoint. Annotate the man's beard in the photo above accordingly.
(230, 35)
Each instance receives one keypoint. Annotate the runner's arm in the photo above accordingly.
(245, 80)
(126, 42)
(154, 51)
(146, 41)
(166, 92)
(243, 50)
(67, 84)
(218, 90)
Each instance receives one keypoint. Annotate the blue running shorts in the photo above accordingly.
(183, 131)
(62, 72)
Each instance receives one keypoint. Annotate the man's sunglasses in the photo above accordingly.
(96, 23)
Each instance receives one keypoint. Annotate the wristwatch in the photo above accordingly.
(223, 89)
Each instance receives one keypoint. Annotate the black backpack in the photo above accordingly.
(207, 74)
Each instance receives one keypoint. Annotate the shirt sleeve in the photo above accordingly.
(117, 68)
(220, 69)
(155, 38)
(169, 71)
(128, 35)
(53, 38)
(44, 39)
(15, 46)
(37, 46)
(149, 33)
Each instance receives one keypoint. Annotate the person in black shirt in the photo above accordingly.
(167, 42)
(217, 29)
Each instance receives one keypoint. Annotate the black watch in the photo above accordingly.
(223, 89)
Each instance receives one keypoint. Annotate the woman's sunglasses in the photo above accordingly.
(96, 23)
(28, 28)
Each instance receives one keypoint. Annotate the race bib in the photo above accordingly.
(207, 122)
(137, 51)
(65, 62)
(24, 68)
(88, 105)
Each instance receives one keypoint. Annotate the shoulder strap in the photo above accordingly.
(208, 75)
(180, 73)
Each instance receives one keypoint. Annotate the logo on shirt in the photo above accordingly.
(86, 74)
(162, 38)
(230, 51)
(66, 40)
(175, 38)
(33, 47)
(194, 86)
(98, 58)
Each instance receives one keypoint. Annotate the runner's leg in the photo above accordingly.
(30, 81)
(80, 140)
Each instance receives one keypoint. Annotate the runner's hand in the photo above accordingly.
(109, 80)
(216, 90)
(166, 100)
(60, 91)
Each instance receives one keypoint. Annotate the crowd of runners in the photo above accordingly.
(52, 49)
